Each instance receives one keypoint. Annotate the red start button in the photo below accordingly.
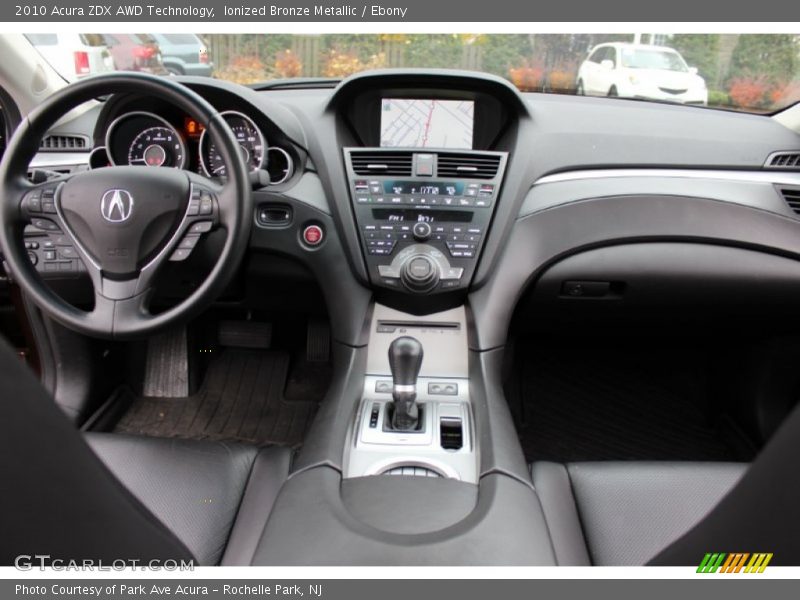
(312, 235)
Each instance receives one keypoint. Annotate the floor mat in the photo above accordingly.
(615, 405)
(241, 399)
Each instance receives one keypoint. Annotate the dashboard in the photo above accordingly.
(424, 190)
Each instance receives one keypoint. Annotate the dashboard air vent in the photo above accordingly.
(784, 160)
(381, 163)
(470, 166)
(792, 197)
(63, 142)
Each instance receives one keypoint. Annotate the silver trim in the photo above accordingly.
(289, 164)
(203, 137)
(775, 176)
(143, 113)
(45, 160)
(771, 157)
(401, 389)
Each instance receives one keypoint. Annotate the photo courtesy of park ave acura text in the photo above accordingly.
(340, 290)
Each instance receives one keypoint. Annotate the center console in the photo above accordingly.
(421, 365)
(422, 215)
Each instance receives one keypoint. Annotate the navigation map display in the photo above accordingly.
(413, 123)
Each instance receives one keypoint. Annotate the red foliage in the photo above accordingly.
(749, 92)
(527, 78)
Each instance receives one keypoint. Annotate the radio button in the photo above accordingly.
(452, 273)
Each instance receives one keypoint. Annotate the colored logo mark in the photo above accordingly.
(737, 562)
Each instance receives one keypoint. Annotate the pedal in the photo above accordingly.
(166, 372)
(245, 334)
(318, 341)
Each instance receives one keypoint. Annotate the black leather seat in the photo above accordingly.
(115, 497)
(196, 488)
(626, 513)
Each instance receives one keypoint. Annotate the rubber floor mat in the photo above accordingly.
(241, 399)
(615, 406)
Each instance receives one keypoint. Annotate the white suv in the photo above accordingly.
(640, 71)
(73, 55)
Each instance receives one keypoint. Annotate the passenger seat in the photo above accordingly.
(625, 513)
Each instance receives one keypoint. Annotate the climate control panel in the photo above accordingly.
(423, 216)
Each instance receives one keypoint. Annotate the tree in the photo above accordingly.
(701, 51)
(774, 56)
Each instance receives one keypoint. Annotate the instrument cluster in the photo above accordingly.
(147, 139)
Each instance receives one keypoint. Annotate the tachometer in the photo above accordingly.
(157, 147)
(251, 141)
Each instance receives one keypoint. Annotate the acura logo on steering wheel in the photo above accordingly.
(116, 206)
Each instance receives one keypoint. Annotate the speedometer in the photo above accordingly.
(251, 141)
(145, 139)
(157, 147)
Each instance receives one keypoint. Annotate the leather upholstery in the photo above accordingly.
(270, 470)
(194, 487)
(627, 512)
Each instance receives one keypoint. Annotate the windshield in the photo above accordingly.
(652, 59)
(746, 72)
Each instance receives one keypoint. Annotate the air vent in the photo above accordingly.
(412, 471)
(63, 142)
(470, 166)
(792, 197)
(784, 160)
(381, 163)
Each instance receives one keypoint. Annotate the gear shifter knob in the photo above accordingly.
(405, 361)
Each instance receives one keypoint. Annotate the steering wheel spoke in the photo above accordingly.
(124, 223)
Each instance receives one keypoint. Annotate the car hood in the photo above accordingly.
(667, 79)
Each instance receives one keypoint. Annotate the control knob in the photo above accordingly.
(419, 273)
(421, 230)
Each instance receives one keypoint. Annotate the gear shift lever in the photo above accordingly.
(405, 360)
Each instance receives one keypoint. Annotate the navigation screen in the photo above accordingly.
(408, 123)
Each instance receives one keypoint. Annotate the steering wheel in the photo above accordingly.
(124, 222)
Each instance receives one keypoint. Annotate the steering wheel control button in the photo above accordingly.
(200, 227)
(34, 258)
(45, 225)
(180, 254)
(33, 202)
(189, 242)
(313, 235)
(206, 204)
(422, 231)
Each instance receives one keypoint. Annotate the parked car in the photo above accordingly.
(184, 54)
(73, 55)
(135, 52)
(640, 71)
